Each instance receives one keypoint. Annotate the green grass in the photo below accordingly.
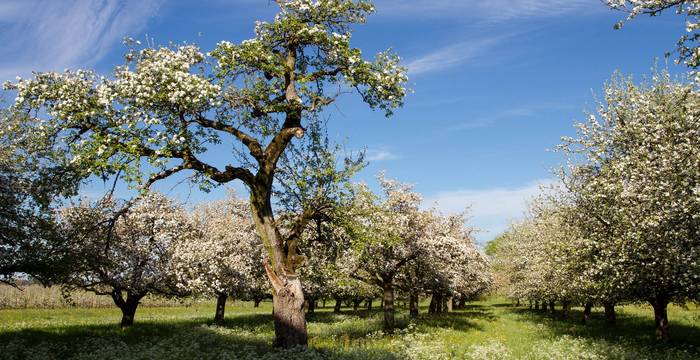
(489, 329)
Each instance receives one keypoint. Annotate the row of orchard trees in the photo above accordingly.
(157, 247)
(626, 225)
(372, 246)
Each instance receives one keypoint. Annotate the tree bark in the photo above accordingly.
(369, 304)
(257, 301)
(288, 311)
(565, 309)
(587, 307)
(356, 304)
(220, 308)
(537, 305)
(413, 305)
(462, 303)
(551, 306)
(389, 306)
(660, 305)
(311, 306)
(449, 304)
(323, 302)
(610, 315)
(128, 306)
(432, 308)
(338, 304)
(280, 266)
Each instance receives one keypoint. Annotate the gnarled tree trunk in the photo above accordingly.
(338, 304)
(610, 316)
(389, 323)
(220, 308)
(288, 311)
(462, 304)
(432, 308)
(356, 304)
(128, 306)
(660, 305)
(587, 307)
(413, 305)
(565, 309)
(311, 306)
(287, 292)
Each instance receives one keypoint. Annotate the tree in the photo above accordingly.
(225, 259)
(31, 185)
(688, 49)
(385, 236)
(553, 256)
(633, 168)
(117, 252)
(449, 267)
(168, 105)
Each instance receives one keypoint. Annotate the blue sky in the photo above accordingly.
(496, 83)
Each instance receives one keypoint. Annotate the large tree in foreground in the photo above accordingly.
(169, 105)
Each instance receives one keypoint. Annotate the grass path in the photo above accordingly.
(490, 329)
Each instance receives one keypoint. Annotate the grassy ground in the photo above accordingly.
(489, 329)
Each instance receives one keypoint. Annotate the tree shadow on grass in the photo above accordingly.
(636, 330)
(458, 319)
(349, 335)
(187, 339)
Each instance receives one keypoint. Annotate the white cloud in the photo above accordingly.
(452, 55)
(482, 11)
(47, 35)
(491, 210)
(380, 154)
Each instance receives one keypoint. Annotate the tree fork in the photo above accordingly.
(128, 306)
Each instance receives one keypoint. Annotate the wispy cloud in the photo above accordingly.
(482, 11)
(452, 55)
(51, 35)
(518, 112)
(491, 210)
(380, 153)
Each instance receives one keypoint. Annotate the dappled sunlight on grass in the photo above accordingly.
(484, 330)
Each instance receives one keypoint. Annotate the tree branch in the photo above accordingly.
(250, 142)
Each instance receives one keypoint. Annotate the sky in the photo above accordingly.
(495, 84)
